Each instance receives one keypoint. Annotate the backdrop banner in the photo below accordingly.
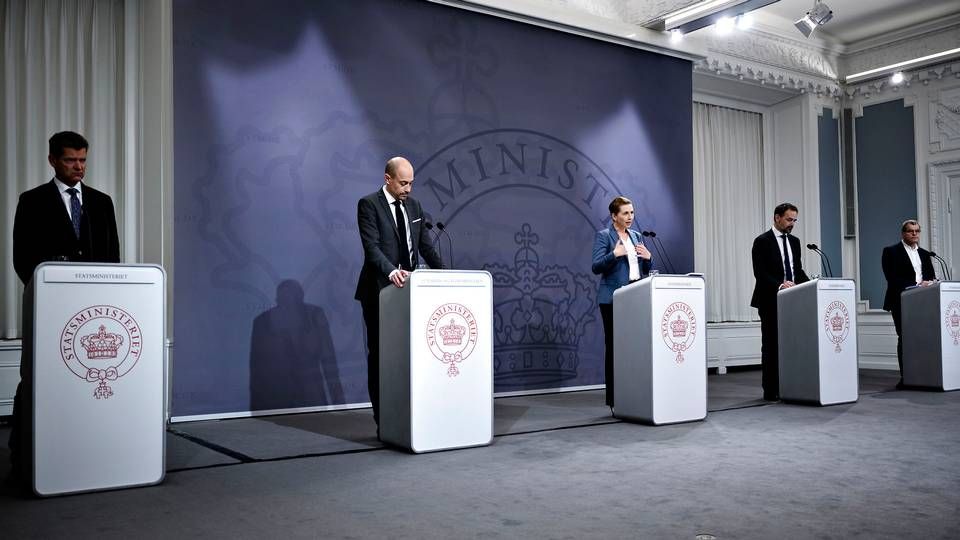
(285, 113)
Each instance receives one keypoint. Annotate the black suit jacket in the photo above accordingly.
(768, 268)
(380, 239)
(42, 230)
(900, 274)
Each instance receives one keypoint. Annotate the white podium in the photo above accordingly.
(931, 336)
(95, 377)
(660, 351)
(97, 380)
(818, 342)
(436, 361)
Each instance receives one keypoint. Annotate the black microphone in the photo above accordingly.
(657, 249)
(824, 260)
(943, 265)
(663, 250)
(443, 229)
(436, 238)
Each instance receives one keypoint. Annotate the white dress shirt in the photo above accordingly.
(632, 261)
(914, 254)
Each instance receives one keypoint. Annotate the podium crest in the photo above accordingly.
(951, 319)
(678, 328)
(452, 335)
(836, 323)
(100, 344)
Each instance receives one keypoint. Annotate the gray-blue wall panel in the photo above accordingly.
(830, 202)
(886, 187)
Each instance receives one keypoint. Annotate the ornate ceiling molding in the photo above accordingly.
(891, 53)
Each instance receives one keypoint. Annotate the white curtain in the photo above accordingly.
(62, 69)
(727, 203)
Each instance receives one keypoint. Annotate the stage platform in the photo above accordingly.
(559, 467)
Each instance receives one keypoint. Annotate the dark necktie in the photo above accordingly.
(75, 211)
(787, 269)
(402, 231)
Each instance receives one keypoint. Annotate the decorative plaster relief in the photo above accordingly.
(636, 12)
(945, 121)
(899, 51)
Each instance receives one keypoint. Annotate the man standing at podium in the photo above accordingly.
(776, 265)
(394, 238)
(61, 220)
(905, 264)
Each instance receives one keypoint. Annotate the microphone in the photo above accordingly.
(824, 261)
(436, 238)
(443, 229)
(654, 244)
(943, 265)
(661, 250)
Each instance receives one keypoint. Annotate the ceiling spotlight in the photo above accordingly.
(745, 21)
(897, 78)
(676, 36)
(819, 15)
(725, 25)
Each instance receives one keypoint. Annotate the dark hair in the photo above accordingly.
(903, 227)
(66, 139)
(617, 203)
(782, 208)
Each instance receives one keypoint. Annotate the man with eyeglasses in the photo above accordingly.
(905, 264)
(776, 265)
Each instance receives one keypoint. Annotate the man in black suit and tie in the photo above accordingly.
(62, 220)
(905, 264)
(776, 265)
(394, 239)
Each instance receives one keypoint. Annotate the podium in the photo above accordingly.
(817, 339)
(659, 350)
(436, 361)
(931, 336)
(95, 376)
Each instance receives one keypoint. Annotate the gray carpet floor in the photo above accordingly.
(884, 467)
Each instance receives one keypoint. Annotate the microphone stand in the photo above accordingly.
(657, 249)
(673, 269)
(436, 237)
(824, 261)
(943, 266)
(443, 229)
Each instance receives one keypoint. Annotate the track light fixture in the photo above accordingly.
(819, 15)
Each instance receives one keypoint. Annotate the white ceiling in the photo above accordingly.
(855, 20)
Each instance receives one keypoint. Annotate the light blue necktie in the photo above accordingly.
(75, 211)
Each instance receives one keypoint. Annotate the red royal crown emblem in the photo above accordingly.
(678, 328)
(836, 323)
(951, 319)
(452, 335)
(100, 344)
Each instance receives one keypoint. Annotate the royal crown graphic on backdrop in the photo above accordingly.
(540, 317)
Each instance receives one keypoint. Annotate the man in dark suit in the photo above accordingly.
(905, 264)
(394, 239)
(776, 265)
(62, 220)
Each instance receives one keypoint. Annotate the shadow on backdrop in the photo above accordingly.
(292, 359)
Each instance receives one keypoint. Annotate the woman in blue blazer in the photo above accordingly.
(620, 257)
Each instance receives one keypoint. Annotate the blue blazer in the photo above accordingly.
(615, 271)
